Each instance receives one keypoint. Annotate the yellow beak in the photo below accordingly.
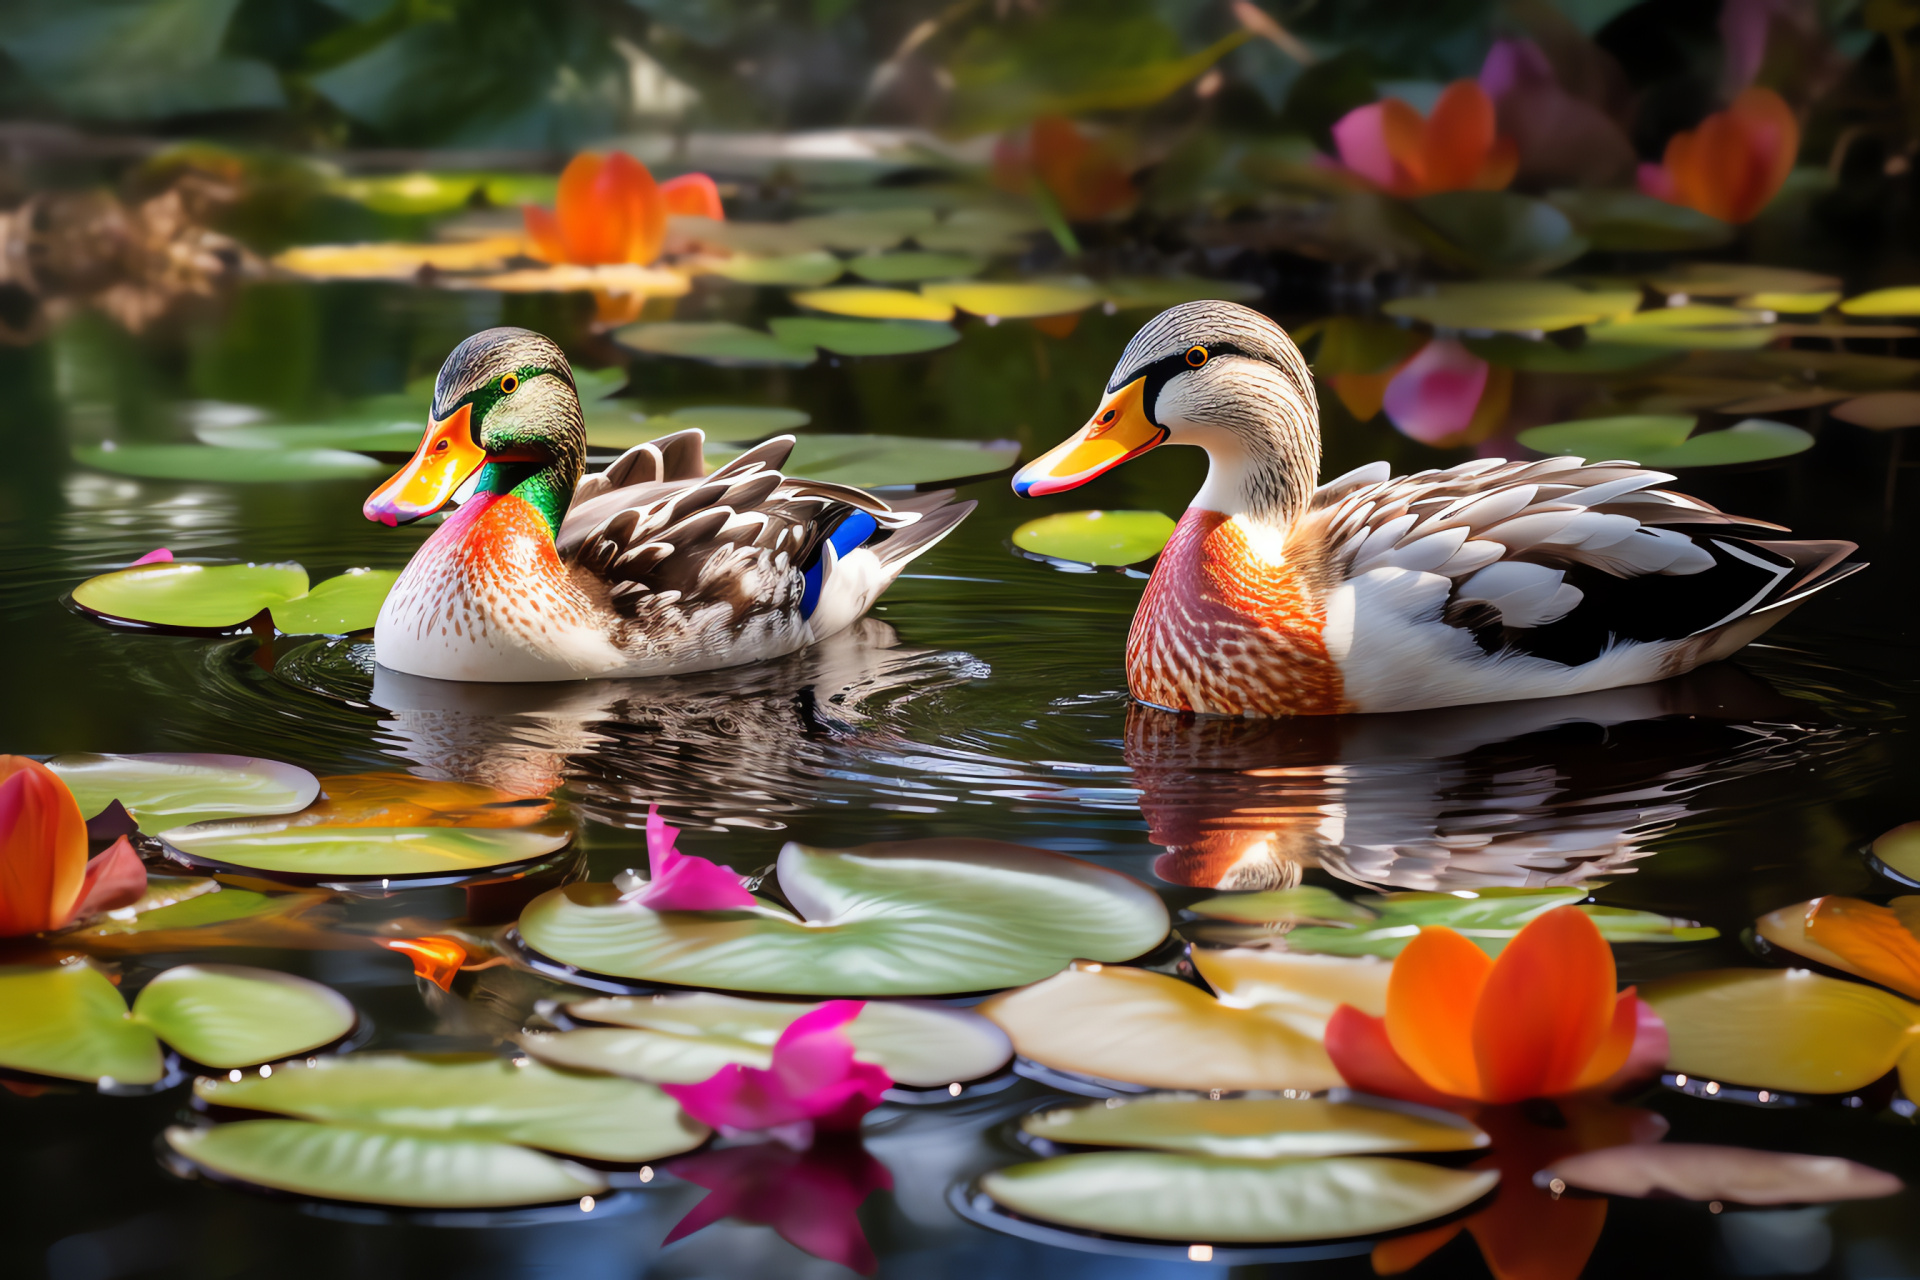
(447, 456)
(1118, 430)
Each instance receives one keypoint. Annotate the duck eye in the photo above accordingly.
(442, 446)
(509, 384)
(1196, 356)
(1106, 419)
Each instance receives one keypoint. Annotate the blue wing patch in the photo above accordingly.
(851, 533)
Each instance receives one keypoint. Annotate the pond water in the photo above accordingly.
(985, 698)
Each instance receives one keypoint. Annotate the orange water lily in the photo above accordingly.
(1456, 148)
(1542, 1020)
(1733, 163)
(609, 209)
(46, 880)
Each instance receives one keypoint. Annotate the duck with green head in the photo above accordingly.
(647, 568)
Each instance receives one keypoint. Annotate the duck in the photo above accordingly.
(650, 567)
(1490, 581)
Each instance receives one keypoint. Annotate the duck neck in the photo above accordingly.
(547, 487)
(1264, 478)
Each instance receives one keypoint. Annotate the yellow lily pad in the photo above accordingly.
(281, 847)
(387, 260)
(1096, 537)
(814, 268)
(1255, 1128)
(1515, 306)
(1901, 301)
(874, 303)
(1792, 304)
(1015, 300)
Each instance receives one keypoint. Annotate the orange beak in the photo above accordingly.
(1118, 430)
(447, 456)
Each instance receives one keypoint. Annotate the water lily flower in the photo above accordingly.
(609, 209)
(692, 195)
(159, 555)
(1562, 139)
(1447, 396)
(814, 1083)
(1085, 175)
(1457, 148)
(809, 1197)
(46, 879)
(1733, 163)
(681, 881)
(1541, 1021)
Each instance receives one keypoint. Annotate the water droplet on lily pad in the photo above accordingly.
(163, 790)
(864, 337)
(1096, 537)
(1665, 440)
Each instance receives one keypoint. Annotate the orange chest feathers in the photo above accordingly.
(1224, 630)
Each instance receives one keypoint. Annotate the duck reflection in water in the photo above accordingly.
(1547, 792)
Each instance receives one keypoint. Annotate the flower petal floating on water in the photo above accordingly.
(1457, 148)
(815, 1080)
(1733, 163)
(1873, 942)
(435, 959)
(682, 882)
(1693, 1171)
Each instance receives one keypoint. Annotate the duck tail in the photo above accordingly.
(939, 516)
(1818, 564)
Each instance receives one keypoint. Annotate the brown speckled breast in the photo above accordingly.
(1223, 631)
(492, 564)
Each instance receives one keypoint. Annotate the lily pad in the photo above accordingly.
(1901, 301)
(229, 1016)
(374, 1167)
(167, 789)
(1164, 1196)
(392, 260)
(864, 337)
(863, 229)
(814, 268)
(191, 597)
(910, 265)
(1302, 904)
(1497, 232)
(715, 342)
(1018, 300)
(920, 918)
(401, 436)
(1881, 410)
(69, 1021)
(872, 303)
(1695, 1171)
(1695, 327)
(410, 194)
(228, 466)
(1515, 306)
(220, 904)
(683, 1039)
(285, 848)
(346, 603)
(1096, 537)
(1629, 222)
(1898, 851)
(1264, 1031)
(1255, 1128)
(1786, 1029)
(1795, 304)
(1663, 440)
(1734, 279)
(1491, 918)
(596, 1117)
(873, 462)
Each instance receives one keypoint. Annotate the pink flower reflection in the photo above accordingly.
(814, 1082)
(1434, 395)
(682, 882)
(809, 1197)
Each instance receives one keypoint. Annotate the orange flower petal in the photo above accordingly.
(1503, 161)
(1404, 133)
(1616, 1046)
(591, 228)
(1545, 1008)
(544, 230)
(1403, 1253)
(113, 879)
(692, 195)
(627, 185)
(435, 958)
(1458, 137)
(1431, 998)
(43, 848)
(1873, 940)
(1528, 1235)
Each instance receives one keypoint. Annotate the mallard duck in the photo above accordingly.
(649, 567)
(1484, 582)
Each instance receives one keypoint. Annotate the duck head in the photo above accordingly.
(1215, 375)
(504, 401)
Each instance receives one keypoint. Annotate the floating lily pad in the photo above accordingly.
(1898, 852)
(391, 260)
(864, 337)
(1902, 301)
(1016, 300)
(815, 268)
(1491, 918)
(1515, 305)
(283, 848)
(218, 904)
(864, 229)
(373, 1167)
(872, 303)
(1254, 1128)
(1629, 222)
(217, 599)
(770, 239)
(1096, 537)
(1693, 1171)
(471, 1096)
(410, 194)
(1782, 1029)
(910, 265)
(1881, 410)
(342, 604)
(873, 462)
(715, 342)
(919, 918)
(229, 1016)
(69, 1021)
(1663, 440)
(1695, 327)
(228, 466)
(1795, 304)
(401, 436)
(1302, 904)
(1734, 279)
(683, 1039)
(1132, 1025)
(1497, 232)
(1163, 1196)
(167, 789)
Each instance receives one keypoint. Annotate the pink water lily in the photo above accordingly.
(814, 1083)
(159, 555)
(1446, 395)
(682, 882)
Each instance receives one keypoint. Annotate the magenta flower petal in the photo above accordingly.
(814, 1078)
(810, 1197)
(159, 555)
(1654, 180)
(1435, 394)
(1361, 137)
(682, 882)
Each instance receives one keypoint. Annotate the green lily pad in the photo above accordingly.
(1514, 305)
(683, 1039)
(228, 466)
(168, 789)
(1630, 222)
(410, 194)
(231, 1016)
(813, 268)
(1254, 1128)
(1096, 537)
(920, 918)
(346, 603)
(284, 848)
(69, 1021)
(372, 1167)
(191, 597)
(872, 462)
(714, 342)
(1663, 440)
(1694, 327)
(597, 1117)
(220, 904)
(910, 265)
(864, 337)
(1902, 301)
(1491, 918)
(366, 437)
(1498, 232)
(1160, 1195)
(872, 303)
(1014, 300)
(1285, 906)
(859, 230)
(770, 239)
(1735, 279)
